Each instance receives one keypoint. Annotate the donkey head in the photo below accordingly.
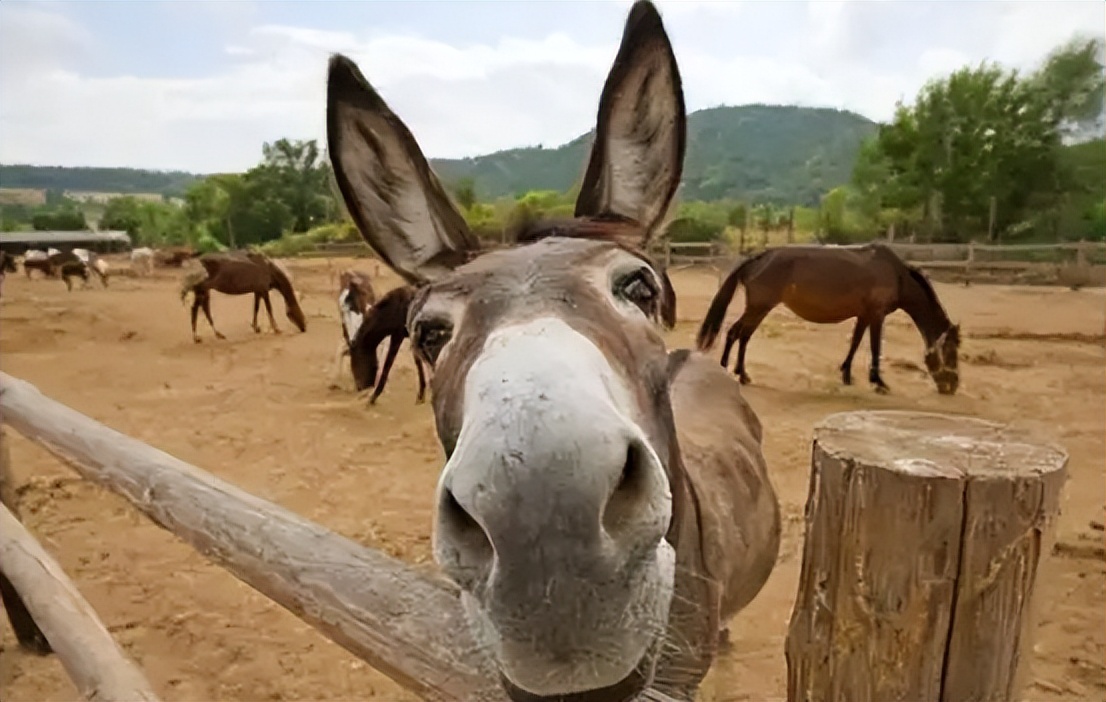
(555, 510)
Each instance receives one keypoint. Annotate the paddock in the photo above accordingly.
(256, 411)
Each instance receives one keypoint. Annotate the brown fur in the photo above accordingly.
(241, 273)
(386, 320)
(725, 524)
(831, 284)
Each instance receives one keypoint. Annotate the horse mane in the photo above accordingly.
(923, 282)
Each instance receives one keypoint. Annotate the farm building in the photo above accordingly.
(100, 241)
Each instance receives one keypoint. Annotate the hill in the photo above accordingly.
(787, 155)
(129, 181)
(757, 152)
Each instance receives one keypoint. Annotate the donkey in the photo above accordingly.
(830, 284)
(242, 273)
(387, 319)
(604, 506)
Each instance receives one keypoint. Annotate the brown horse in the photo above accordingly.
(241, 273)
(828, 285)
(61, 263)
(387, 319)
(605, 505)
(7, 265)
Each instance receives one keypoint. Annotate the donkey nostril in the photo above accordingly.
(456, 517)
(633, 484)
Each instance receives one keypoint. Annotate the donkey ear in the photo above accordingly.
(641, 134)
(396, 201)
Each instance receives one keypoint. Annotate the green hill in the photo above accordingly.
(762, 153)
(100, 180)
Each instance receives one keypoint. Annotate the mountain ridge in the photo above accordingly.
(760, 153)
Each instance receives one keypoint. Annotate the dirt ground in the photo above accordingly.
(257, 410)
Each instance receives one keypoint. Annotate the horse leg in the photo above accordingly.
(336, 371)
(27, 633)
(393, 349)
(256, 306)
(875, 335)
(847, 366)
(742, 331)
(269, 311)
(422, 381)
(196, 304)
(207, 313)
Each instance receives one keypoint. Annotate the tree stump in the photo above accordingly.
(924, 533)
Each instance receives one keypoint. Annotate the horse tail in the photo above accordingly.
(712, 323)
(189, 283)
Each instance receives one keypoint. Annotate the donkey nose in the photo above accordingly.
(580, 495)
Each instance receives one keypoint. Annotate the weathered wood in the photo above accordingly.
(26, 631)
(924, 533)
(406, 624)
(97, 666)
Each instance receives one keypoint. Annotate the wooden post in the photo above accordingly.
(97, 666)
(924, 533)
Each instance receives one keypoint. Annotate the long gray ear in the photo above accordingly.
(641, 133)
(396, 201)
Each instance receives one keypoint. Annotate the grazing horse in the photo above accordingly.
(387, 319)
(828, 285)
(355, 296)
(605, 506)
(241, 273)
(142, 260)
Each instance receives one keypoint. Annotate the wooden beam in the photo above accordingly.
(97, 666)
(924, 533)
(406, 624)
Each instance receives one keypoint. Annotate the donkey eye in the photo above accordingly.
(431, 337)
(640, 289)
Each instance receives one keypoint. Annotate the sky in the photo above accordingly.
(199, 85)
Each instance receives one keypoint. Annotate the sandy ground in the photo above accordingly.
(258, 411)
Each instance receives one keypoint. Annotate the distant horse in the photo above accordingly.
(142, 260)
(387, 319)
(64, 263)
(95, 264)
(355, 297)
(174, 257)
(242, 273)
(828, 285)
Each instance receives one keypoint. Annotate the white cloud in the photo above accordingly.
(471, 98)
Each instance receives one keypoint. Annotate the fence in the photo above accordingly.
(902, 542)
(1074, 264)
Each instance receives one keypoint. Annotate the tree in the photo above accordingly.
(66, 219)
(982, 138)
(465, 192)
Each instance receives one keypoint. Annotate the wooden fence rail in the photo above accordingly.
(407, 624)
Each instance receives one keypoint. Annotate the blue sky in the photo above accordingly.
(199, 85)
